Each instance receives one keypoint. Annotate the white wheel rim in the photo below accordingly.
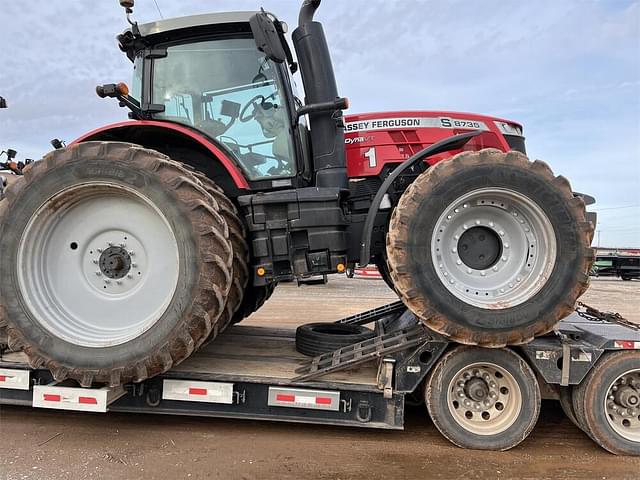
(64, 273)
(622, 405)
(492, 406)
(515, 270)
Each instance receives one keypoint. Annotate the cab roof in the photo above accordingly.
(180, 23)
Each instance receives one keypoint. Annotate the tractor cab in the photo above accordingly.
(205, 72)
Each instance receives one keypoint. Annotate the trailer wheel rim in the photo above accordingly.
(622, 405)
(484, 399)
(98, 264)
(493, 248)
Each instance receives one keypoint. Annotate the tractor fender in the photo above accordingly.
(121, 129)
(455, 142)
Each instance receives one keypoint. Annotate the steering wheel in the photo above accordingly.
(254, 102)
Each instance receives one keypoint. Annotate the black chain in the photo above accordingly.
(595, 315)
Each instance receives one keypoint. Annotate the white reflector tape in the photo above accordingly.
(75, 398)
(191, 391)
(299, 398)
(627, 344)
(14, 379)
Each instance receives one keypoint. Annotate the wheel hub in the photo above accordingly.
(477, 389)
(115, 262)
(622, 405)
(485, 399)
(627, 397)
(480, 248)
(493, 248)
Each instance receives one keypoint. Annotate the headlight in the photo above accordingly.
(509, 128)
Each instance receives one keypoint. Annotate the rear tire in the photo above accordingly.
(607, 402)
(490, 249)
(69, 279)
(483, 399)
(237, 237)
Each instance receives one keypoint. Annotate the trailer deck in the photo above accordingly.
(250, 372)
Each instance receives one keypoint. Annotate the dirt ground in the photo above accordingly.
(38, 444)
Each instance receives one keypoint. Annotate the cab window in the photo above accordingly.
(230, 91)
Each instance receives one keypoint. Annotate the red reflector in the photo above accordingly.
(3, 378)
(323, 401)
(285, 398)
(197, 391)
(625, 344)
(48, 397)
(88, 400)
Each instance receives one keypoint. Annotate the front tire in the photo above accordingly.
(114, 264)
(485, 399)
(490, 249)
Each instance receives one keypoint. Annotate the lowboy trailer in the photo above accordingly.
(477, 397)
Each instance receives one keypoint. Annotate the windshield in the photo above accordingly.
(231, 92)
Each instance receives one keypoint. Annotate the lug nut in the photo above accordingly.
(98, 273)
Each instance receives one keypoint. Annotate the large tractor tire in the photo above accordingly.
(114, 263)
(244, 298)
(489, 248)
(237, 237)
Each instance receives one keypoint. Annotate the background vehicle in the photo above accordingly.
(145, 239)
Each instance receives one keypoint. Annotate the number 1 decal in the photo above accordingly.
(371, 155)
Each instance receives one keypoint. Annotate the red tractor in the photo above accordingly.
(125, 251)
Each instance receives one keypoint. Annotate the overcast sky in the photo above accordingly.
(568, 70)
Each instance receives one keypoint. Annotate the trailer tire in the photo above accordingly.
(565, 398)
(488, 248)
(495, 412)
(174, 288)
(315, 339)
(613, 423)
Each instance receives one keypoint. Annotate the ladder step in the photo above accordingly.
(374, 314)
(351, 355)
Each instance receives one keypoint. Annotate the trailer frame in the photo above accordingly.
(367, 393)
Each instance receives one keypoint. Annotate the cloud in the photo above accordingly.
(569, 71)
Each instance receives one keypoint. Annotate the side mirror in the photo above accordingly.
(267, 38)
(3, 103)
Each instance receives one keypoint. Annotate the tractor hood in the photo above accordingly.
(396, 136)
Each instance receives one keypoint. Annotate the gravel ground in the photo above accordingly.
(39, 444)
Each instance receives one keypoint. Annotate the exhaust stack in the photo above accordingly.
(327, 130)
